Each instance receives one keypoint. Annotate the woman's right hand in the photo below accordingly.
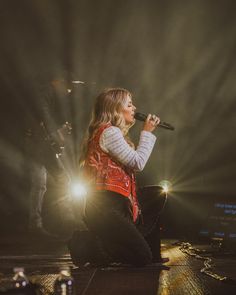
(151, 123)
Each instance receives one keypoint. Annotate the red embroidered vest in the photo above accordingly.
(106, 173)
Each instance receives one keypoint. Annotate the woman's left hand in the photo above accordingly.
(151, 123)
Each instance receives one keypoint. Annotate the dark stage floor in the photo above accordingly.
(181, 275)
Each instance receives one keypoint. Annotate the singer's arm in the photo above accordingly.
(113, 142)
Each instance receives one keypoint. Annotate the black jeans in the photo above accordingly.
(113, 236)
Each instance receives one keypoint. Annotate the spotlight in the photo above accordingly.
(78, 190)
(166, 185)
(77, 82)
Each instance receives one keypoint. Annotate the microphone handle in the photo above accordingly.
(143, 117)
(166, 125)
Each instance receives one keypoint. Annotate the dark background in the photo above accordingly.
(176, 57)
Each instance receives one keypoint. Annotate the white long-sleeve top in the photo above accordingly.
(112, 141)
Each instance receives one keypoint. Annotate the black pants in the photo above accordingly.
(113, 236)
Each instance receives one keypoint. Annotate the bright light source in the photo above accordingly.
(165, 189)
(166, 185)
(77, 82)
(78, 190)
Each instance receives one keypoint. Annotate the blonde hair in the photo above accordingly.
(107, 109)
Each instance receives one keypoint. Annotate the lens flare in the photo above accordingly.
(166, 185)
(78, 190)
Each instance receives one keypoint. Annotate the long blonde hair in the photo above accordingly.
(107, 109)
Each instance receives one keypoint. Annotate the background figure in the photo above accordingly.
(46, 135)
(123, 224)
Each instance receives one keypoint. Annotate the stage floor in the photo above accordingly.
(181, 275)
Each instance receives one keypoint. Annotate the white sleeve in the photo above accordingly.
(112, 141)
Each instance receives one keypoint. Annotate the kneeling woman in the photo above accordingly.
(109, 163)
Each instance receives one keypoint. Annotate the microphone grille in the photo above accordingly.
(140, 116)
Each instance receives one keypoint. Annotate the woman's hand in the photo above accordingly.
(151, 123)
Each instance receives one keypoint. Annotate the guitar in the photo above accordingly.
(58, 138)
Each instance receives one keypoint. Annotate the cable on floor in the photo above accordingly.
(207, 269)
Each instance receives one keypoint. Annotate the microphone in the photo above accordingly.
(143, 117)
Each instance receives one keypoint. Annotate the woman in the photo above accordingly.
(109, 163)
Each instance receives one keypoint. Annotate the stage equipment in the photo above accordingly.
(219, 227)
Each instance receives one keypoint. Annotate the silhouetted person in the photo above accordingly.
(45, 140)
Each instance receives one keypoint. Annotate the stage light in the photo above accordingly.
(77, 82)
(78, 190)
(166, 185)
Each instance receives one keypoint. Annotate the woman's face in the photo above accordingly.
(128, 111)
